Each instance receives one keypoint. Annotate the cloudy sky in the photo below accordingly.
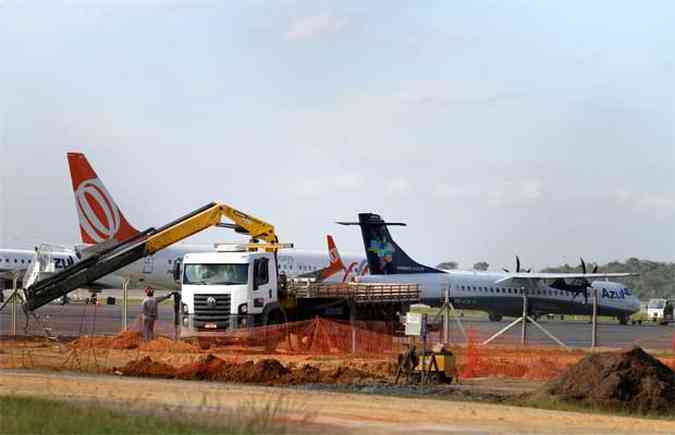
(493, 128)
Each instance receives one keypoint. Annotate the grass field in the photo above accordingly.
(22, 415)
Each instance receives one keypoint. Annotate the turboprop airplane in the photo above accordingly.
(102, 221)
(497, 293)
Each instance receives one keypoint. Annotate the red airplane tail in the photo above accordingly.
(100, 217)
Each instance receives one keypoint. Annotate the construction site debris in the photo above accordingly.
(632, 381)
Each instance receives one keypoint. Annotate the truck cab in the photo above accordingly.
(655, 309)
(227, 289)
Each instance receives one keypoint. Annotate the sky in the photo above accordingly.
(493, 128)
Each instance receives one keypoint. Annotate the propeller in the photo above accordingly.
(518, 267)
(577, 286)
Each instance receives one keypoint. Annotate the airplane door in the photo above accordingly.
(147, 264)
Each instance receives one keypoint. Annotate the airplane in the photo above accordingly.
(336, 271)
(102, 221)
(18, 260)
(497, 293)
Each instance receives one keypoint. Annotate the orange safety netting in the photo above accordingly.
(312, 336)
(476, 361)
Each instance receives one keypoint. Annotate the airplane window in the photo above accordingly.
(169, 261)
(22, 260)
(15, 260)
(498, 290)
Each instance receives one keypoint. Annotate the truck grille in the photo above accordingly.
(212, 312)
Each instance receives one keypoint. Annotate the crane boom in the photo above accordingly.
(146, 243)
(209, 217)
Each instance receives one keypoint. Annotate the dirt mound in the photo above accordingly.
(123, 340)
(306, 375)
(265, 371)
(208, 368)
(348, 375)
(148, 368)
(632, 381)
(163, 344)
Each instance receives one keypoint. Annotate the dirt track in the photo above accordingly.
(333, 412)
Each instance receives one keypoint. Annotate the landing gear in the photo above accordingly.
(623, 320)
(494, 317)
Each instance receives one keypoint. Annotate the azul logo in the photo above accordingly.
(613, 294)
(99, 217)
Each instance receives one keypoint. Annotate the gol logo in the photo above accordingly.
(99, 216)
(333, 255)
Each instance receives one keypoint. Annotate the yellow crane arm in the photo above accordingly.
(256, 228)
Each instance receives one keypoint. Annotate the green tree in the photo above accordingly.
(448, 265)
(481, 265)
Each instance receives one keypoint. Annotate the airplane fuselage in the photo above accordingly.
(478, 291)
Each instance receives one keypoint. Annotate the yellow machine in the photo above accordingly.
(209, 217)
(435, 366)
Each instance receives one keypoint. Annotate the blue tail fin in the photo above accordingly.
(385, 257)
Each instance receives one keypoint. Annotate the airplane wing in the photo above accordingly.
(518, 278)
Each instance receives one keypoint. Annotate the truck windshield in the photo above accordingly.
(215, 274)
(656, 303)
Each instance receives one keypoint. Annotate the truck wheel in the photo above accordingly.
(275, 317)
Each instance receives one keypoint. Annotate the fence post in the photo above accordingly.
(125, 303)
(352, 319)
(15, 281)
(594, 339)
(446, 317)
(523, 336)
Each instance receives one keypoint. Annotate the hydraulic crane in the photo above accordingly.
(103, 260)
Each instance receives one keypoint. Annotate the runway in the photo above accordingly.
(84, 319)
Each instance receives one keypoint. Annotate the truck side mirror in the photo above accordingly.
(178, 262)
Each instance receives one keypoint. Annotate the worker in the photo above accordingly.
(150, 304)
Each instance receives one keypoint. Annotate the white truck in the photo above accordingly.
(660, 310)
(239, 286)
